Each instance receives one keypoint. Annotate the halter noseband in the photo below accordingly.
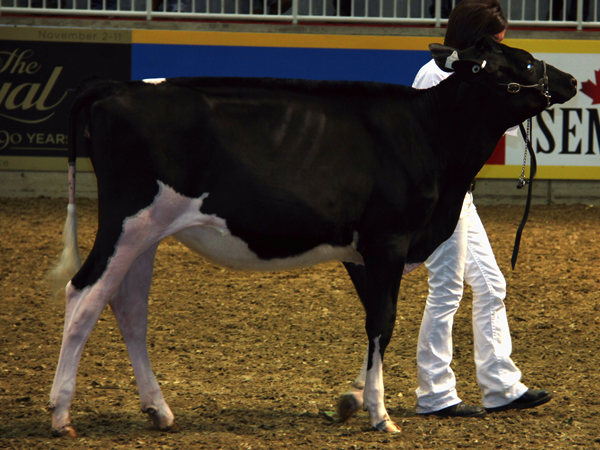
(542, 86)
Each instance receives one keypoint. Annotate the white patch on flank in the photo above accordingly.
(154, 80)
(209, 236)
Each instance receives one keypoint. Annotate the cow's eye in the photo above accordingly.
(529, 67)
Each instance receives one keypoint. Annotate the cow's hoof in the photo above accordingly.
(161, 422)
(66, 431)
(349, 404)
(387, 426)
(173, 428)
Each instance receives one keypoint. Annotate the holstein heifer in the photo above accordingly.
(266, 174)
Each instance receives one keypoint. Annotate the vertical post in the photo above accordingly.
(438, 13)
(295, 12)
(579, 14)
(149, 9)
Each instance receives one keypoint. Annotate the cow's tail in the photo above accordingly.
(70, 260)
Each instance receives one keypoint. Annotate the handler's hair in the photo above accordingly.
(472, 19)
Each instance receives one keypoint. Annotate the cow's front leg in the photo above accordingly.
(384, 272)
(353, 401)
(373, 394)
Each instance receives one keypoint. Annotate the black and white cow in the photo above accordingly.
(266, 174)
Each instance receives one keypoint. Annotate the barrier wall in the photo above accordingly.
(39, 67)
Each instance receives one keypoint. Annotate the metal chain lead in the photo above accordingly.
(522, 181)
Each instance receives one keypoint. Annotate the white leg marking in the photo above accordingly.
(374, 394)
(374, 388)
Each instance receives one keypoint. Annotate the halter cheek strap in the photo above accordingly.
(542, 86)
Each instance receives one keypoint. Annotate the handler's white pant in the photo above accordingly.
(465, 256)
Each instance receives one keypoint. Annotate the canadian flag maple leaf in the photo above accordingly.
(592, 90)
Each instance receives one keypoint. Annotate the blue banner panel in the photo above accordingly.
(164, 61)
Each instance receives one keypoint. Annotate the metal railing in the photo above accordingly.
(577, 14)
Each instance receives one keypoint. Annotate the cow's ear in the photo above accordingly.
(444, 57)
(448, 60)
(487, 44)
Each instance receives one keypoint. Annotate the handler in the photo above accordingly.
(468, 256)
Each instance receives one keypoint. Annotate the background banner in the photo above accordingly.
(39, 69)
(313, 57)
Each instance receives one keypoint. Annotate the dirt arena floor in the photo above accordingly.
(249, 360)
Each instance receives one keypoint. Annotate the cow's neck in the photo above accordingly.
(468, 129)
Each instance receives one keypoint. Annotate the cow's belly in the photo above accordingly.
(174, 214)
(219, 246)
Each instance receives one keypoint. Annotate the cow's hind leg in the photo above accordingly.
(83, 309)
(87, 295)
(130, 307)
(82, 312)
(352, 401)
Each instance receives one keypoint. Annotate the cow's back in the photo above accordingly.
(287, 170)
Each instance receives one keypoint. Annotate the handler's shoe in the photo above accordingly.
(458, 410)
(530, 399)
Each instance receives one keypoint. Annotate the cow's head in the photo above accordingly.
(530, 85)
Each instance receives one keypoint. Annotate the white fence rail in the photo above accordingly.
(535, 13)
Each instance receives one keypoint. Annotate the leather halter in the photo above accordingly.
(542, 86)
